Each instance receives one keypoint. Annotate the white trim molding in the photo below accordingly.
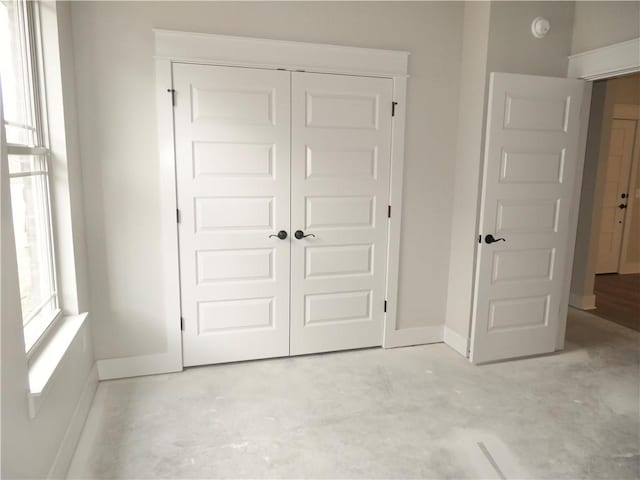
(413, 336)
(167, 362)
(456, 341)
(71, 437)
(265, 53)
(617, 59)
(582, 302)
(392, 335)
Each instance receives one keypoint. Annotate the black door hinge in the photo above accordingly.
(181, 323)
(385, 306)
(177, 215)
(393, 108)
(173, 96)
(389, 212)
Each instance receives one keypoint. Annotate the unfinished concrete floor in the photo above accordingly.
(416, 412)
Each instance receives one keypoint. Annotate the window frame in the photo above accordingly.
(38, 324)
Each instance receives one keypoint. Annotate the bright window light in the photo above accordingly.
(28, 167)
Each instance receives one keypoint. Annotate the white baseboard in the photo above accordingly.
(583, 302)
(69, 442)
(456, 341)
(414, 336)
(140, 365)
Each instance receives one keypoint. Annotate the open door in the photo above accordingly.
(530, 174)
(616, 190)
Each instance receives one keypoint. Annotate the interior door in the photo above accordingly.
(341, 134)
(530, 170)
(232, 131)
(614, 198)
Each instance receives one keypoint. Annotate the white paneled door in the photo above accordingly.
(340, 159)
(232, 131)
(614, 197)
(261, 155)
(530, 175)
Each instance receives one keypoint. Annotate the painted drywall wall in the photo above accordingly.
(584, 257)
(473, 80)
(512, 47)
(506, 45)
(115, 80)
(38, 447)
(598, 24)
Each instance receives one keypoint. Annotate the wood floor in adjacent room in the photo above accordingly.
(618, 298)
(414, 412)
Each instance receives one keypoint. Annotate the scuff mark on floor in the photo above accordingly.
(384, 380)
(491, 460)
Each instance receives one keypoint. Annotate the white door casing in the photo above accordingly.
(530, 170)
(616, 184)
(341, 152)
(232, 136)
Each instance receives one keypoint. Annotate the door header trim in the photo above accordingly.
(273, 54)
(617, 59)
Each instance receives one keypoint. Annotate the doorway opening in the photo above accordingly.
(606, 270)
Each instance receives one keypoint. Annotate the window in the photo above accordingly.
(24, 121)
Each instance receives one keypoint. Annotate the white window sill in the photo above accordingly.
(38, 329)
(44, 365)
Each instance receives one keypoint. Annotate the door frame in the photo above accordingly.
(609, 61)
(223, 50)
(605, 62)
(620, 111)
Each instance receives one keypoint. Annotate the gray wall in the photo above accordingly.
(598, 24)
(588, 233)
(468, 163)
(512, 47)
(115, 78)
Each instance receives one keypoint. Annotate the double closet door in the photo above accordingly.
(264, 157)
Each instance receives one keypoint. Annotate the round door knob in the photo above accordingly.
(622, 206)
(282, 234)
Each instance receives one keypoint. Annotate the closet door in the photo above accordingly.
(232, 131)
(340, 138)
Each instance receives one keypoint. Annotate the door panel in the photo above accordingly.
(617, 174)
(232, 130)
(529, 178)
(341, 133)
